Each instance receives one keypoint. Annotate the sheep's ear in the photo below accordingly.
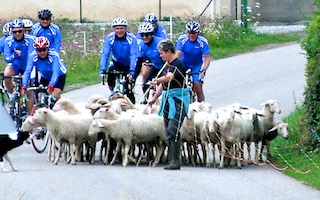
(244, 108)
(108, 105)
(100, 125)
(273, 128)
(31, 120)
(95, 106)
(102, 101)
(260, 115)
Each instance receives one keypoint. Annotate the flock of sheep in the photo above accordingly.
(129, 132)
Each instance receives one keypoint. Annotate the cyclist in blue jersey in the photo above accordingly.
(194, 51)
(159, 31)
(123, 46)
(27, 25)
(17, 48)
(6, 30)
(149, 48)
(47, 62)
(47, 29)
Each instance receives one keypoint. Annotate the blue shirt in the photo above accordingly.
(151, 51)
(2, 44)
(50, 68)
(52, 32)
(25, 46)
(192, 52)
(124, 51)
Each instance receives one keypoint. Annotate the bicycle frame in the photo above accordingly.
(189, 83)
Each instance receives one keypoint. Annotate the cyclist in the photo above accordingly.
(149, 48)
(124, 49)
(47, 29)
(27, 25)
(6, 30)
(159, 31)
(17, 48)
(193, 48)
(48, 64)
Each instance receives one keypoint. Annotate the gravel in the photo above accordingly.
(280, 29)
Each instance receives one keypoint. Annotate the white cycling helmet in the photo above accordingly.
(27, 23)
(119, 22)
(146, 28)
(152, 18)
(193, 26)
(6, 29)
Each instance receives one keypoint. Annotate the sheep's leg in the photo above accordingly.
(206, 145)
(73, 154)
(125, 157)
(213, 156)
(50, 149)
(9, 161)
(107, 151)
(58, 154)
(160, 149)
(4, 169)
(238, 155)
(140, 156)
(258, 146)
(116, 153)
(103, 147)
(223, 152)
(93, 152)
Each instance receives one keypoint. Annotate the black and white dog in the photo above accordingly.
(7, 143)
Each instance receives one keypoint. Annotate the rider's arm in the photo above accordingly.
(133, 55)
(56, 71)
(105, 54)
(8, 53)
(29, 67)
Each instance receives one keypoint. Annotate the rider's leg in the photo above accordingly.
(197, 86)
(9, 71)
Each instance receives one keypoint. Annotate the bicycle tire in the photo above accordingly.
(39, 143)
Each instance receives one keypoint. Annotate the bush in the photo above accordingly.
(312, 92)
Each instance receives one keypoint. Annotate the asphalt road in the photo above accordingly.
(249, 79)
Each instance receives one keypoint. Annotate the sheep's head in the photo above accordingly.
(273, 106)
(282, 129)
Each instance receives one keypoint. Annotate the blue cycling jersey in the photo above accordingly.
(151, 52)
(192, 52)
(124, 51)
(2, 44)
(52, 32)
(25, 46)
(50, 68)
(159, 32)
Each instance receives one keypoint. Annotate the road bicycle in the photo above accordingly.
(122, 84)
(17, 105)
(40, 137)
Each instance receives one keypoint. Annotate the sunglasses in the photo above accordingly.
(145, 35)
(19, 31)
(42, 49)
(45, 19)
(192, 32)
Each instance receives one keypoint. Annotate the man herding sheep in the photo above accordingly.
(175, 99)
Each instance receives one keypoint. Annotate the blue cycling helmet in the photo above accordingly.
(17, 23)
(152, 18)
(6, 29)
(193, 26)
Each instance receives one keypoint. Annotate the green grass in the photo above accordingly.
(302, 164)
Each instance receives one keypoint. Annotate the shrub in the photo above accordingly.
(312, 92)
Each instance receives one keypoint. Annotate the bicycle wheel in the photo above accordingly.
(40, 137)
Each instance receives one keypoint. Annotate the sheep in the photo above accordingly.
(194, 127)
(94, 99)
(230, 127)
(29, 124)
(137, 129)
(67, 105)
(72, 129)
(279, 128)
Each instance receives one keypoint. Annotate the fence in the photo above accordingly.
(132, 10)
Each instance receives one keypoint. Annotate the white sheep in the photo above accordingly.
(69, 106)
(137, 129)
(72, 129)
(94, 99)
